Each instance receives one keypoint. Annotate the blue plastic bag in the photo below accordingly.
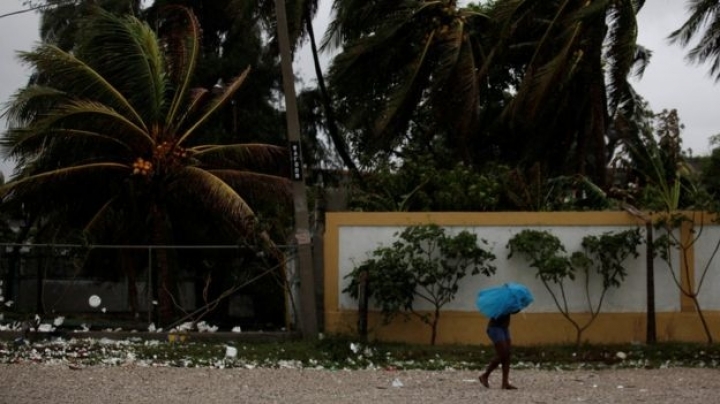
(506, 299)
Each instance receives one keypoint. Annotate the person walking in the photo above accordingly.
(499, 332)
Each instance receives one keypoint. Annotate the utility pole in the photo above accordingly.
(303, 239)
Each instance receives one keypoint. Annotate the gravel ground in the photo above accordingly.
(57, 384)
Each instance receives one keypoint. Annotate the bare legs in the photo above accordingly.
(502, 358)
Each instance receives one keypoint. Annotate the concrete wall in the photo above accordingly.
(350, 237)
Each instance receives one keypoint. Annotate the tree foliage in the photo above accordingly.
(602, 256)
(111, 130)
(425, 263)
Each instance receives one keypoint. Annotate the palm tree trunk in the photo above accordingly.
(128, 262)
(166, 311)
(164, 279)
(331, 121)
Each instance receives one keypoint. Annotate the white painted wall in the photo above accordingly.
(708, 241)
(357, 242)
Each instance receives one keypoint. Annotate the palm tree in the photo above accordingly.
(405, 59)
(575, 57)
(703, 22)
(300, 15)
(112, 132)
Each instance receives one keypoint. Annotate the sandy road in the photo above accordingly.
(56, 384)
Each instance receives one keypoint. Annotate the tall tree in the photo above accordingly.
(112, 129)
(575, 57)
(402, 60)
(300, 16)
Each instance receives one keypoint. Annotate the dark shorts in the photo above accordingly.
(498, 334)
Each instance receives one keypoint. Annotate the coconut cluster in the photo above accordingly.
(142, 167)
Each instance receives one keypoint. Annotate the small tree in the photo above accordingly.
(668, 242)
(602, 255)
(424, 263)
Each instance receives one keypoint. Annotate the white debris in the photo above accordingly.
(397, 383)
(354, 347)
(231, 352)
(104, 310)
(205, 327)
(186, 326)
(9, 303)
(621, 387)
(621, 355)
(45, 327)
(58, 321)
(237, 329)
(155, 302)
(94, 301)
(151, 327)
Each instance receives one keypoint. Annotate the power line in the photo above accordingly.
(27, 10)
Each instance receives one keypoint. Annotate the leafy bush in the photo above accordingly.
(602, 256)
(423, 263)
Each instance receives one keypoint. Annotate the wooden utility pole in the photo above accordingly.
(303, 239)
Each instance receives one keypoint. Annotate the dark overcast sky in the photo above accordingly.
(669, 81)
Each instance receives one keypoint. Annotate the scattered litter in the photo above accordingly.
(58, 321)
(230, 352)
(621, 355)
(397, 383)
(237, 329)
(45, 327)
(205, 327)
(94, 301)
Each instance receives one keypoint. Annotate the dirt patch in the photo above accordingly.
(58, 384)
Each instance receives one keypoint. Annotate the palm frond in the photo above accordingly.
(184, 50)
(215, 104)
(73, 76)
(127, 50)
(66, 112)
(19, 142)
(241, 156)
(28, 103)
(257, 188)
(407, 89)
(704, 14)
(622, 51)
(59, 175)
(214, 195)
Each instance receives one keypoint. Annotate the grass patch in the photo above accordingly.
(345, 353)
